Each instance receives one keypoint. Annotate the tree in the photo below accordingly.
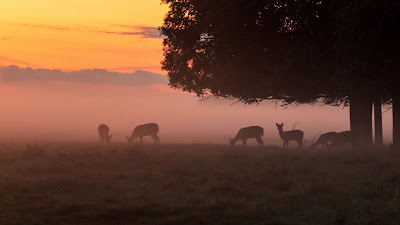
(294, 51)
(224, 47)
(370, 47)
(378, 121)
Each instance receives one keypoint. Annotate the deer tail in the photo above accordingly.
(294, 126)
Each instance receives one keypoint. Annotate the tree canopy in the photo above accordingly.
(295, 51)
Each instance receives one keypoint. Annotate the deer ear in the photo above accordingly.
(277, 124)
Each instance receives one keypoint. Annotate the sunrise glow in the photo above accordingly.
(118, 35)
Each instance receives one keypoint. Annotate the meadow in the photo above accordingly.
(88, 183)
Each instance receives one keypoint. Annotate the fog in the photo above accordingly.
(53, 108)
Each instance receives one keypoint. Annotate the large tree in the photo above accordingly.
(368, 44)
(295, 51)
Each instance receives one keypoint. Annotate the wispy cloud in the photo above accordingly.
(4, 38)
(141, 31)
(7, 60)
(156, 69)
(146, 32)
(51, 27)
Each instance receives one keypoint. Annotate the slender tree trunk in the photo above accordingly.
(361, 119)
(396, 121)
(378, 121)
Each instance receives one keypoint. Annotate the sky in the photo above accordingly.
(117, 35)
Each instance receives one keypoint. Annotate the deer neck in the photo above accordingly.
(281, 133)
(235, 139)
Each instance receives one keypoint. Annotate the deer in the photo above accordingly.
(340, 139)
(148, 129)
(293, 135)
(249, 132)
(324, 140)
(103, 133)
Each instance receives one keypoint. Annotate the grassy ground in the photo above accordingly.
(77, 183)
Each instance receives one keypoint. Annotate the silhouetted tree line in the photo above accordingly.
(305, 51)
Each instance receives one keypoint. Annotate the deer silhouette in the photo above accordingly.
(249, 132)
(340, 139)
(324, 140)
(103, 133)
(148, 129)
(293, 135)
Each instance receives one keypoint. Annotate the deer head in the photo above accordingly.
(108, 138)
(232, 141)
(279, 126)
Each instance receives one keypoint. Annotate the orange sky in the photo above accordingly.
(117, 35)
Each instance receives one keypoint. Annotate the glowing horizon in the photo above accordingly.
(119, 35)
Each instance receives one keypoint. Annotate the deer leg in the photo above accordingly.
(300, 144)
(141, 139)
(158, 139)
(260, 141)
(244, 142)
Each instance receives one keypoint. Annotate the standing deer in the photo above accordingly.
(249, 132)
(149, 129)
(293, 135)
(324, 140)
(103, 133)
(340, 139)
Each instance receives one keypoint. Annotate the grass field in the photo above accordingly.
(83, 183)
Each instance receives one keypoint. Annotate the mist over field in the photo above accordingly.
(52, 105)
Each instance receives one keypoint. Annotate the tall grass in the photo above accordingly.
(83, 183)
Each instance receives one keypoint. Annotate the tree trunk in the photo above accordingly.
(396, 121)
(378, 122)
(361, 119)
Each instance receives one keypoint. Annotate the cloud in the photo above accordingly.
(15, 74)
(60, 28)
(4, 38)
(142, 31)
(145, 32)
(7, 60)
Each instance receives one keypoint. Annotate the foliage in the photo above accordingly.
(296, 51)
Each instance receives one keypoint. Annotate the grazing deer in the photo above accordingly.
(103, 133)
(340, 139)
(149, 129)
(324, 140)
(249, 132)
(293, 135)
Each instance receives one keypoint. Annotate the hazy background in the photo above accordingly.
(51, 105)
